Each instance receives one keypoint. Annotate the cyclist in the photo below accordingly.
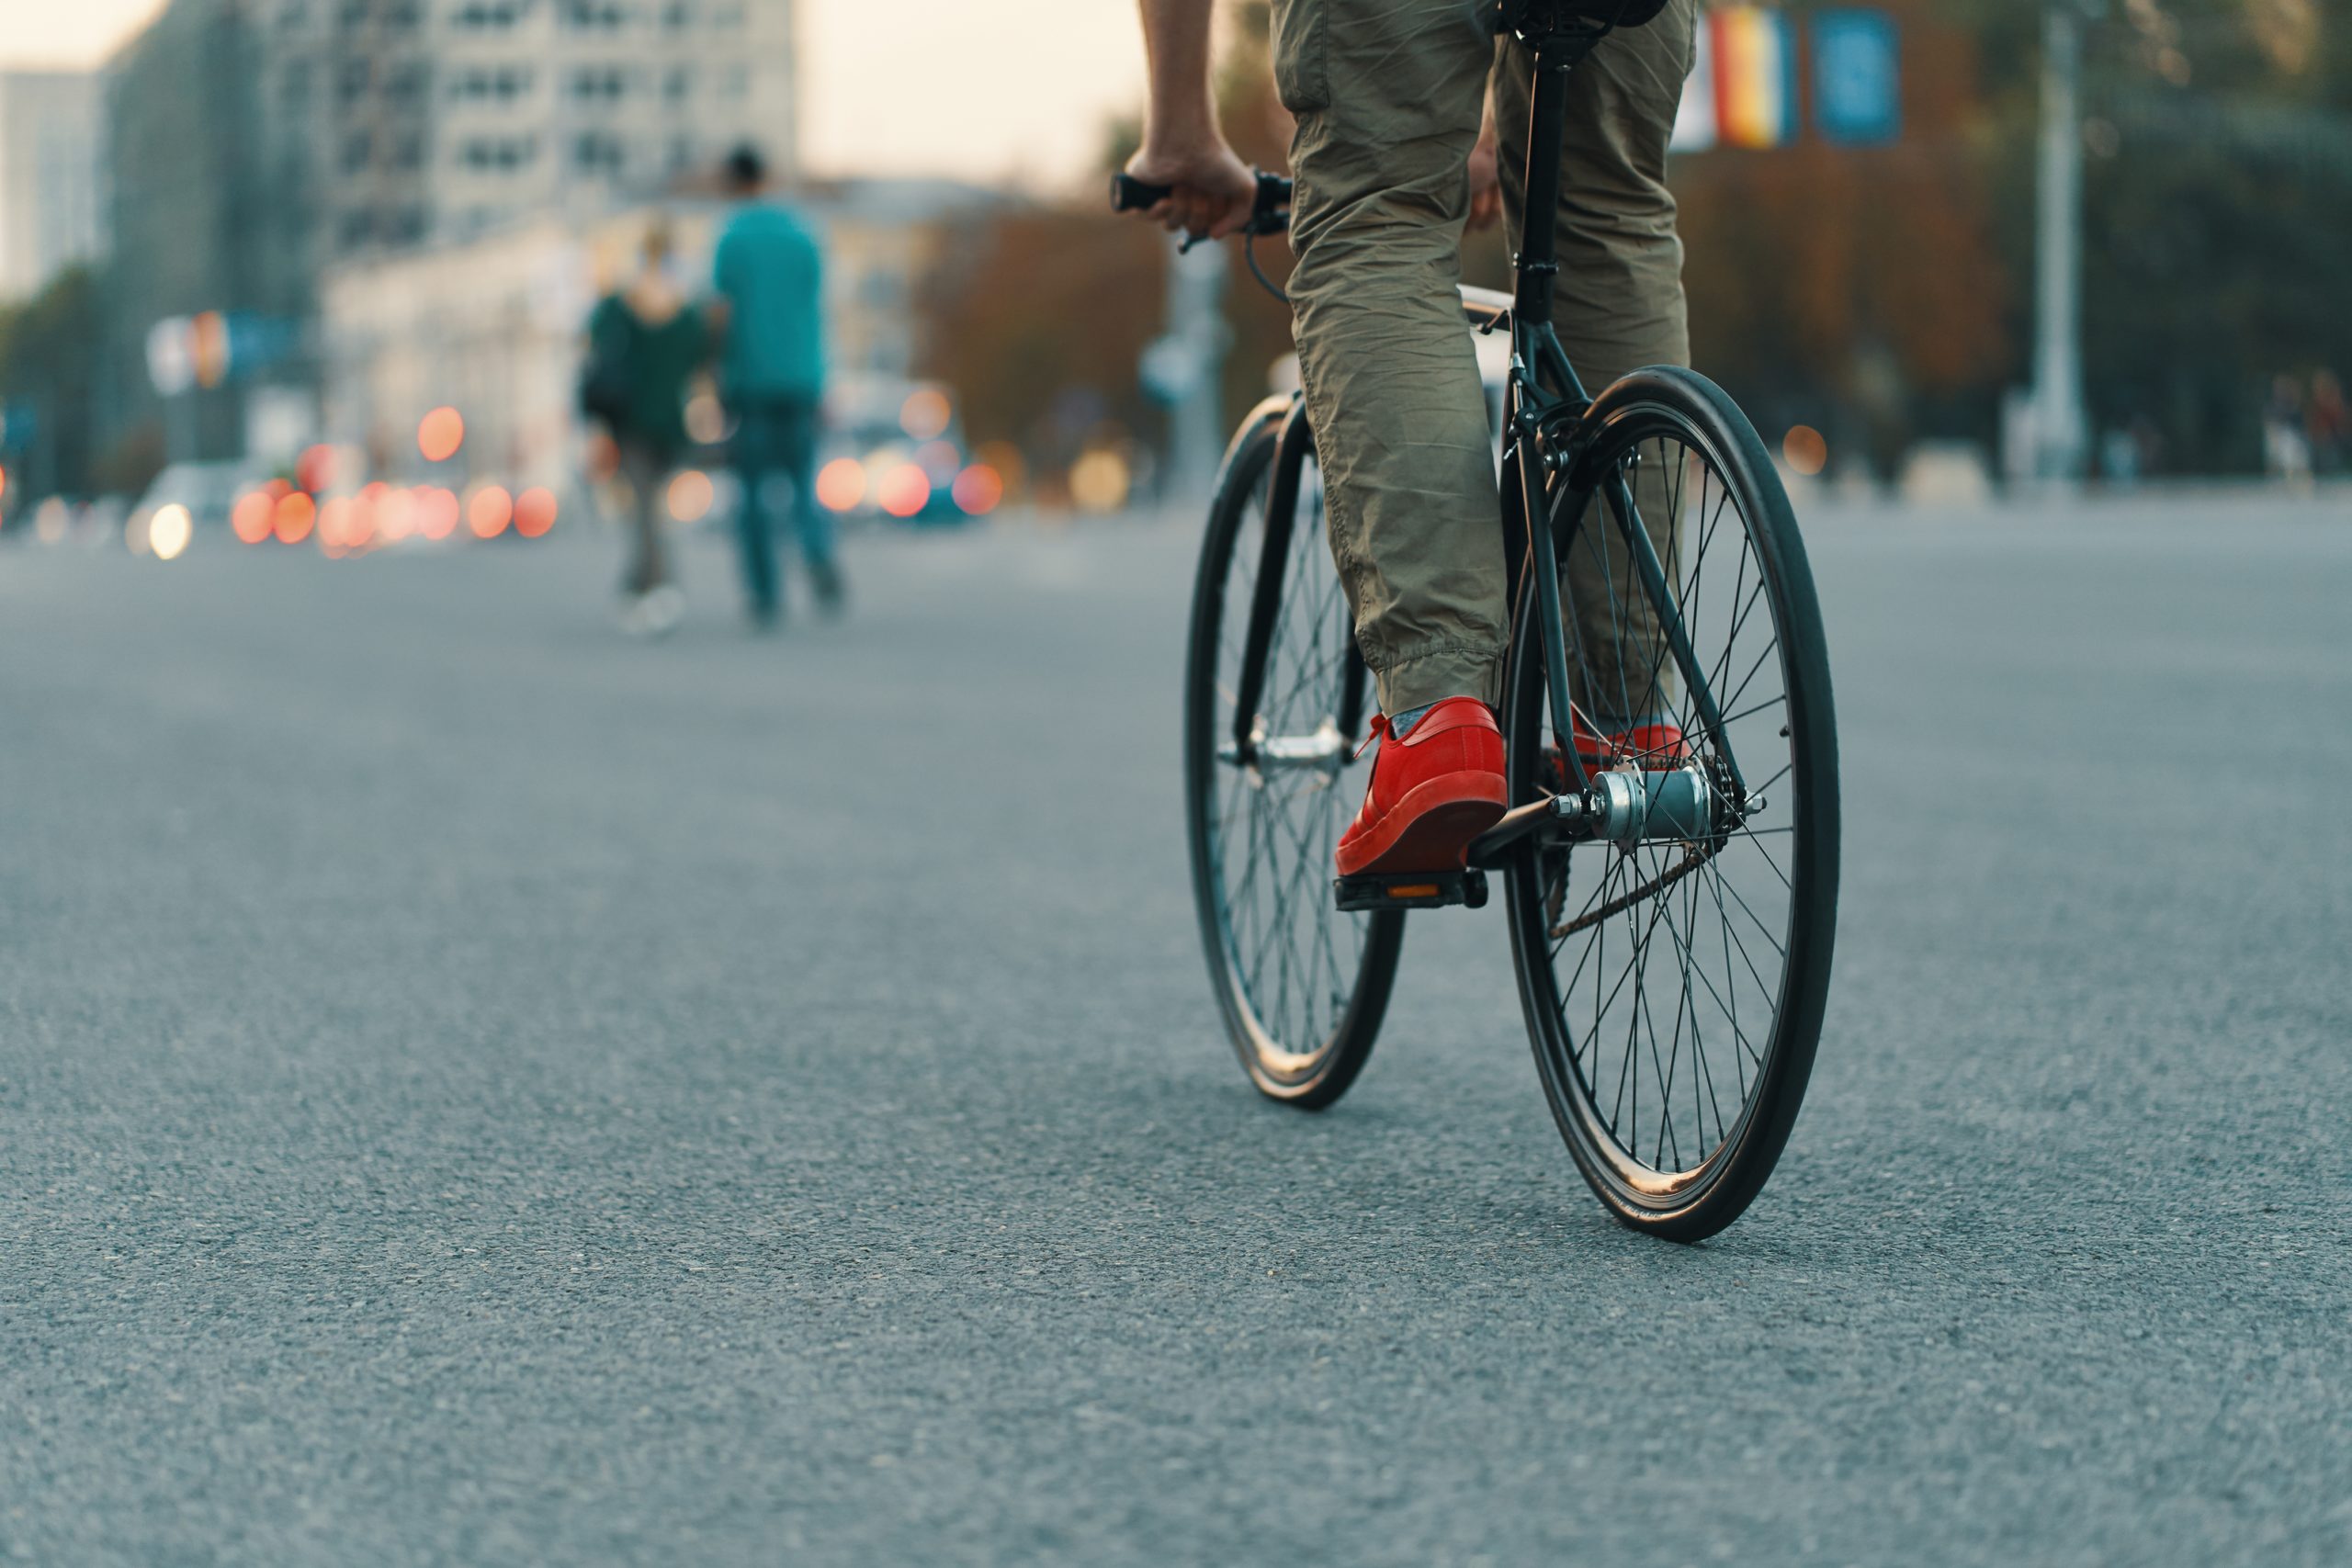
(1397, 105)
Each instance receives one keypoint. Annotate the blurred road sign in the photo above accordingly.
(207, 349)
(1857, 78)
(171, 355)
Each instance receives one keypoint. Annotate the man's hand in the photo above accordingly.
(1211, 190)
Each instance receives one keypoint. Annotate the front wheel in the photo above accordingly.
(1674, 985)
(1302, 986)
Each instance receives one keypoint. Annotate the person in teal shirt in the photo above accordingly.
(768, 271)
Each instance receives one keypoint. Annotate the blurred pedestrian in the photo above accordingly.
(2327, 423)
(2286, 453)
(769, 272)
(645, 342)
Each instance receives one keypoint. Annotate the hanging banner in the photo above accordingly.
(1754, 76)
(1857, 75)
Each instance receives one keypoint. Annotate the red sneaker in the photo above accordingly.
(1432, 791)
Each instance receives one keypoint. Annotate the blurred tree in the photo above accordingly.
(2217, 197)
(1041, 332)
(47, 378)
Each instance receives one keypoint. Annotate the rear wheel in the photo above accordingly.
(1674, 987)
(1302, 987)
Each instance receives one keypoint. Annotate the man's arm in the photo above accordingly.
(1181, 146)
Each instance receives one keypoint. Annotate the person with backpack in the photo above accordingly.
(646, 341)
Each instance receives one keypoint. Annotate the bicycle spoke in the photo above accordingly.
(1665, 1024)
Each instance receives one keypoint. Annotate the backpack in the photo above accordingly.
(605, 372)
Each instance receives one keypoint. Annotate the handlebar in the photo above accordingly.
(1269, 214)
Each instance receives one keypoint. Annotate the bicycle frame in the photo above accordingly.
(1544, 398)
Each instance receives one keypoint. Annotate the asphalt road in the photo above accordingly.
(475, 1089)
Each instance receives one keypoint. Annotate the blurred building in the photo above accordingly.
(49, 176)
(186, 216)
(410, 121)
(256, 144)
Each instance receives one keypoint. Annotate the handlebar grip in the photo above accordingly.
(1130, 193)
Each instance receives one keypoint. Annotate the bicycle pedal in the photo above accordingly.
(1409, 890)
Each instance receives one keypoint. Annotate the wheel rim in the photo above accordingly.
(1658, 973)
(1292, 960)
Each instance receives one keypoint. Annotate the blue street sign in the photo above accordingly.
(1857, 78)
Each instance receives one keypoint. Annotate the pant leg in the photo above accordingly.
(753, 452)
(1388, 94)
(648, 566)
(1619, 306)
(796, 452)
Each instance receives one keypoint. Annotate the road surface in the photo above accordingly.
(477, 1088)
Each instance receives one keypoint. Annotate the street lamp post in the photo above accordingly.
(2060, 437)
(1196, 434)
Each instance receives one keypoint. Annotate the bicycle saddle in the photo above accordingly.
(1535, 19)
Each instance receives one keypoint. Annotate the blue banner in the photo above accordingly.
(1857, 78)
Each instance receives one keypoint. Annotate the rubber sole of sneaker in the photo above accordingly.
(1430, 827)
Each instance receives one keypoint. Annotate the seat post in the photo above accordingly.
(1538, 264)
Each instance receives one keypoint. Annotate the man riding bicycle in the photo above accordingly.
(1391, 162)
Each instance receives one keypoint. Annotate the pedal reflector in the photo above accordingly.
(1410, 890)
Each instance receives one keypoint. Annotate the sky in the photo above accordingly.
(985, 89)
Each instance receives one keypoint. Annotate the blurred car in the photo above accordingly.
(893, 447)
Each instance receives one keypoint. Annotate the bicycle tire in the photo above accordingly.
(1648, 1180)
(1296, 1049)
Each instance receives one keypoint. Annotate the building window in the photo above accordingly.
(595, 15)
(600, 83)
(678, 83)
(501, 154)
(409, 152)
(355, 13)
(357, 148)
(402, 16)
(597, 154)
(739, 80)
(353, 79)
(677, 15)
(404, 86)
(357, 228)
(481, 84)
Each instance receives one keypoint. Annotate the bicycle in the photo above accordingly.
(1644, 1023)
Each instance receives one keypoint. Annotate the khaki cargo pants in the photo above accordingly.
(1389, 95)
